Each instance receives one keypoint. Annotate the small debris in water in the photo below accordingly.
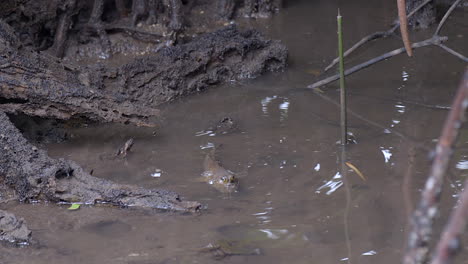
(203, 133)
(157, 173)
(369, 253)
(355, 169)
(317, 167)
(387, 154)
(207, 146)
(283, 163)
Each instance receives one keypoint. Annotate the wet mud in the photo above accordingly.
(30, 175)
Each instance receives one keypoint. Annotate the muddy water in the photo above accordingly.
(295, 202)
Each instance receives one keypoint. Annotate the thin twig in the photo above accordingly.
(431, 41)
(376, 35)
(435, 40)
(454, 53)
(423, 217)
(447, 14)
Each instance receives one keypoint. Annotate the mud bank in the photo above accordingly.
(36, 84)
(28, 174)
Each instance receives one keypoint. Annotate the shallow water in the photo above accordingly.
(295, 203)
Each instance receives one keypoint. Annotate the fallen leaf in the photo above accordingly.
(74, 207)
(356, 170)
(314, 72)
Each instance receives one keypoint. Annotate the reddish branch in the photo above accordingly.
(404, 26)
(449, 242)
(421, 222)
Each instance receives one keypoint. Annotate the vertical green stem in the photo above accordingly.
(344, 124)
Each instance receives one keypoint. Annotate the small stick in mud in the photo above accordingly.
(343, 120)
(125, 149)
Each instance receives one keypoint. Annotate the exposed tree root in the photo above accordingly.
(40, 85)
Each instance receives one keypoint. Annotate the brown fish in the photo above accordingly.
(214, 174)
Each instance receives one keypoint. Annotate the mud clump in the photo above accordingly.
(222, 56)
(13, 230)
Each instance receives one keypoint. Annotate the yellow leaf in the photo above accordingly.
(356, 170)
(74, 207)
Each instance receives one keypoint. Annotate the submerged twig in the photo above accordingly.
(435, 40)
(431, 41)
(454, 53)
(423, 217)
(447, 14)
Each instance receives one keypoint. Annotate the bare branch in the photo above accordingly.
(376, 35)
(432, 41)
(426, 211)
(454, 53)
(447, 14)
